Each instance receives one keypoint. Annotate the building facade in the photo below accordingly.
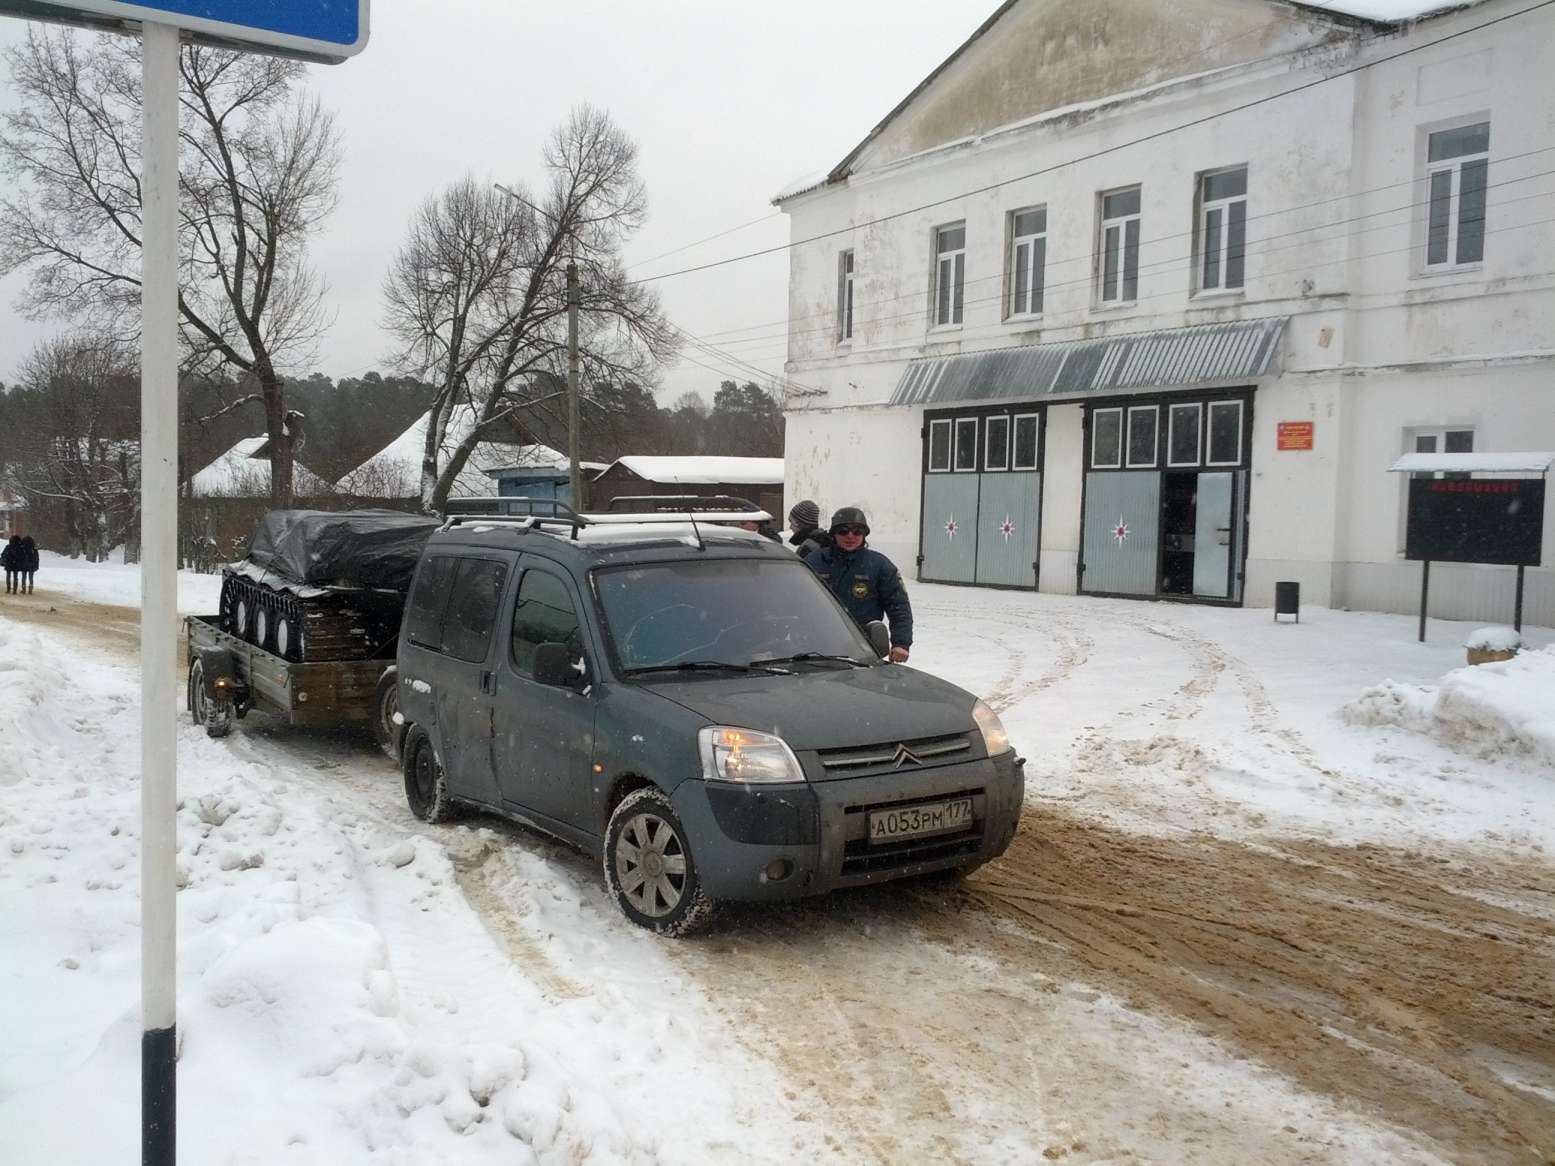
(1144, 299)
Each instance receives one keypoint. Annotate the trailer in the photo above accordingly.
(229, 677)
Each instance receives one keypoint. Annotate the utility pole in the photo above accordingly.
(576, 475)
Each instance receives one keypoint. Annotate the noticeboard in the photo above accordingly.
(1476, 520)
(1295, 435)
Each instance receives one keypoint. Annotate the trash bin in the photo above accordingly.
(1287, 600)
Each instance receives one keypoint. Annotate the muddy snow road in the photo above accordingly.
(1100, 994)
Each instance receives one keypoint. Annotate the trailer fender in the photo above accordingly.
(219, 668)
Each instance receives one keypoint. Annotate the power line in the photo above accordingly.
(1089, 255)
(1244, 106)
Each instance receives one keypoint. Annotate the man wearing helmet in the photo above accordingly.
(864, 581)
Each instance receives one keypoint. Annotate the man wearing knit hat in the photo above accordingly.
(804, 521)
(864, 581)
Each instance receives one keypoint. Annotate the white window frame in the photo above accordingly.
(1209, 430)
(950, 446)
(1035, 245)
(1128, 438)
(1452, 170)
(1036, 445)
(1122, 440)
(955, 446)
(1120, 223)
(1223, 207)
(1198, 428)
(846, 265)
(949, 264)
(1009, 434)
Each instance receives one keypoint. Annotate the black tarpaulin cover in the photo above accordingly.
(355, 548)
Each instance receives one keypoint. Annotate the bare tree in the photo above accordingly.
(258, 167)
(80, 449)
(477, 297)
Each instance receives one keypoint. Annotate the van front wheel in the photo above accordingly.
(650, 871)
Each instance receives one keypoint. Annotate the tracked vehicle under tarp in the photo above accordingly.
(324, 585)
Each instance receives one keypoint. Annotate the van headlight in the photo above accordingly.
(744, 755)
(995, 739)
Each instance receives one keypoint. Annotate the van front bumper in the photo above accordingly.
(788, 841)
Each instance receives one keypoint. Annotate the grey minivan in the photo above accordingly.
(689, 703)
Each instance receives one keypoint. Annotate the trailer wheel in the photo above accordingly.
(263, 621)
(215, 715)
(388, 726)
(243, 618)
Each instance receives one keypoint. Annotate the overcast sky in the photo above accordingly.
(728, 101)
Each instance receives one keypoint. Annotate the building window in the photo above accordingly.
(1119, 246)
(1025, 442)
(966, 444)
(1439, 441)
(845, 296)
(1225, 433)
(996, 444)
(1222, 229)
(1141, 436)
(1456, 162)
(1107, 439)
(949, 273)
(939, 447)
(1028, 261)
(1182, 436)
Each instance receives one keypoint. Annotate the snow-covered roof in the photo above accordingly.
(800, 185)
(1469, 463)
(1392, 11)
(395, 470)
(238, 473)
(540, 457)
(705, 470)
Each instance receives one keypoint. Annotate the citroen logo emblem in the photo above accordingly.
(903, 755)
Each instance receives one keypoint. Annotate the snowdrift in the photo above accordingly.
(1504, 708)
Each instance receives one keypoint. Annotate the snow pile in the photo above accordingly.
(1491, 709)
(1494, 639)
(301, 1039)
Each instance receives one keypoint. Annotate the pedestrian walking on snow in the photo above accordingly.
(11, 560)
(864, 581)
(804, 521)
(29, 564)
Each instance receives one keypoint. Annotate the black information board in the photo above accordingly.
(1476, 520)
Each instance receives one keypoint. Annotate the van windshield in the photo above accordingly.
(737, 612)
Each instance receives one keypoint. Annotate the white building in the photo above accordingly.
(1141, 298)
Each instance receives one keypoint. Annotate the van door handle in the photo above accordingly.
(486, 679)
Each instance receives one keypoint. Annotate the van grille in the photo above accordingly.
(860, 857)
(896, 754)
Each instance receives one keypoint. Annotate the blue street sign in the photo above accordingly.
(318, 30)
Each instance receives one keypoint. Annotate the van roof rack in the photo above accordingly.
(525, 512)
(652, 503)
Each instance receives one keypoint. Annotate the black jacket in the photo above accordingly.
(869, 586)
(11, 557)
(806, 542)
(29, 556)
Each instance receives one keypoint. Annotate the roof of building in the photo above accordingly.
(1357, 14)
(243, 471)
(395, 470)
(541, 457)
(1244, 350)
(1470, 463)
(704, 470)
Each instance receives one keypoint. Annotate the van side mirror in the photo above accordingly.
(879, 637)
(556, 664)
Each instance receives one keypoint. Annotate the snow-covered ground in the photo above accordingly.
(348, 994)
(118, 583)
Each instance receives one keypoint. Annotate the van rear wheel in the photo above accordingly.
(426, 785)
(650, 871)
(388, 724)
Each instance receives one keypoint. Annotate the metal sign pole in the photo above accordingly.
(1425, 594)
(159, 589)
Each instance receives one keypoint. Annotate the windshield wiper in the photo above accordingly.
(806, 657)
(691, 666)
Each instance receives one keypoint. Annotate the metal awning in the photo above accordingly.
(1473, 463)
(1169, 358)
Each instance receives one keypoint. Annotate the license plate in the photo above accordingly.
(917, 821)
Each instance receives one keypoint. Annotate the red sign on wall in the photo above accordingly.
(1295, 435)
